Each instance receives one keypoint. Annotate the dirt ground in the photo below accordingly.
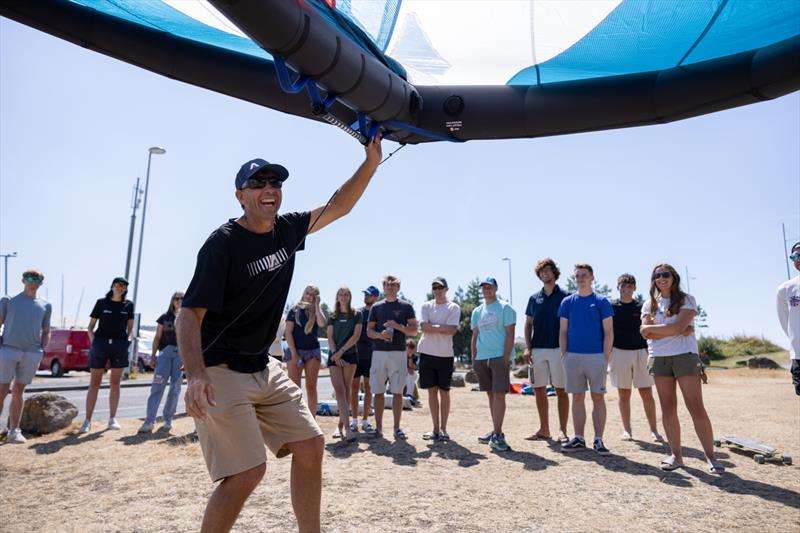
(121, 481)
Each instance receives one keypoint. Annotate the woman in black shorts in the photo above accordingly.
(344, 330)
(113, 316)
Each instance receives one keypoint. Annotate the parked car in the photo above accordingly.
(144, 350)
(68, 350)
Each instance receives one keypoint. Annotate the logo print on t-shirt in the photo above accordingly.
(267, 263)
(794, 301)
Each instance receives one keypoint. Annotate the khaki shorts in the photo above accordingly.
(548, 368)
(388, 365)
(628, 369)
(252, 410)
(675, 366)
(585, 371)
(493, 375)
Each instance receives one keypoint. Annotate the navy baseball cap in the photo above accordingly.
(372, 291)
(119, 279)
(254, 166)
(489, 280)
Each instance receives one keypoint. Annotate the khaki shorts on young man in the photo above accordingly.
(388, 365)
(493, 375)
(548, 368)
(628, 369)
(252, 410)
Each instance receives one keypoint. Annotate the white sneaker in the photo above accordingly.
(15, 437)
(147, 427)
(113, 424)
(626, 436)
(86, 426)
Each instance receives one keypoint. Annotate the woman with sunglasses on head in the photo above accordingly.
(302, 325)
(167, 367)
(668, 325)
(344, 330)
(113, 316)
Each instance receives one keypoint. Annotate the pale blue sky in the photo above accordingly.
(709, 192)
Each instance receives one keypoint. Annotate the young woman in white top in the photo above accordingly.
(667, 324)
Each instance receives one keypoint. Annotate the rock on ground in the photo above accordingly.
(46, 412)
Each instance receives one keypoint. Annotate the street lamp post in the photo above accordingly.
(510, 292)
(5, 268)
(137, 193)
(158, 151)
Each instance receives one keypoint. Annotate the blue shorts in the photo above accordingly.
(105, 350)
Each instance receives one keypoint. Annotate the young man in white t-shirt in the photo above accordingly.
(439, 322)
(789, 315)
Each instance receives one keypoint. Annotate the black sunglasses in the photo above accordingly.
(259, 182)
(177, 298)
(665, 275)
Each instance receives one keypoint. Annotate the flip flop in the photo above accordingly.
(670, 463)
(562, 438)
(337, 434)
(536, 436)
(715, 467)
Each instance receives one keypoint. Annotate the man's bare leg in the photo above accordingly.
(397, 410)
(306, 482)
(228, 498)
(378, 399)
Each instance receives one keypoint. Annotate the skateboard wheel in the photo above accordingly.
(787, 459)
(717, 443)
(760, 459)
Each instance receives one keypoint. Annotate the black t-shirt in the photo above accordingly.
(627, 319)
(168, 337)
(112, 318)
(233, 268)
(364, 340)
(302, 340)
(401, 312)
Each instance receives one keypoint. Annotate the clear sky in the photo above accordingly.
(709, 193)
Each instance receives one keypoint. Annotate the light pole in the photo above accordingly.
(510, 292)
(158, 151)
(5, 270)
(137, 193)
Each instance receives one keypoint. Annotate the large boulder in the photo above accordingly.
(471, 376)
(457, 380)
(46, 412)
(522, 372)
(762, 362)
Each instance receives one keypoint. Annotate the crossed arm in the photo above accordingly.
(682, 326)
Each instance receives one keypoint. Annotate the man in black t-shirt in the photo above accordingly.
(364, 348)
(239, 397)
(627, 366)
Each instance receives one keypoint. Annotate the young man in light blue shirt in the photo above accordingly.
(586, 338)
(493, 323)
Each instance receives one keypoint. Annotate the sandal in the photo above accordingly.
(715, 467)
(562, 438)
(443, 436)
(366, 426)
(338, 433)
(537, 436)
(430, 435)
(400, 434)
(670, 463)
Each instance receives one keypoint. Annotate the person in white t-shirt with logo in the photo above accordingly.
(674, 360)
(439, 323)
(789, 316)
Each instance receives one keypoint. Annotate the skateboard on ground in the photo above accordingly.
(762, 451)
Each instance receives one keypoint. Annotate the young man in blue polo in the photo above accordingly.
(586, 338)
(493, 323)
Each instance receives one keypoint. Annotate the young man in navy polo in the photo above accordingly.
(542, 352)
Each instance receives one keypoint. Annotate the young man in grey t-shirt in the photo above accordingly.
(26, 332)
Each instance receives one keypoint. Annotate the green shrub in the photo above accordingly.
(711, 348)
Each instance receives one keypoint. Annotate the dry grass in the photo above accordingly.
(119, 481)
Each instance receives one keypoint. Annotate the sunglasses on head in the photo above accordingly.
(665, 275)
(33, 279)
(795, 256)
(259, 182)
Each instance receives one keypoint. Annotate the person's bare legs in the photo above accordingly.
(490, 396)
(306, 482)
(498, 404)
(397, 410)
(579, 413)
(295, 372)
(367, 399)
(355, 387)
(378, 399)
(312, 374)
(649, 404)
(692, 391)
(563, 410)
(15, 407)
(113, 391)
(433, 405)
(543, 409)
(337, 380)
(667, 397)
(4, 387)
(625, 409)
(598, 414)
(444, 408)
(96, 376)
(226, 501)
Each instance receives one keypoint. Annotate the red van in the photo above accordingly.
(68, 350)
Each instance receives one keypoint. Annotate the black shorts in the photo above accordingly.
(435, 371)
(796, 375)
(350, 358)
(364, 362)
(103, 350)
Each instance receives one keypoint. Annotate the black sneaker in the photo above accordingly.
(600, 448)
(575, 445)
(484, 439)
(498, 443)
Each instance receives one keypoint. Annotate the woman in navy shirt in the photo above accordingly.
(302, 325)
